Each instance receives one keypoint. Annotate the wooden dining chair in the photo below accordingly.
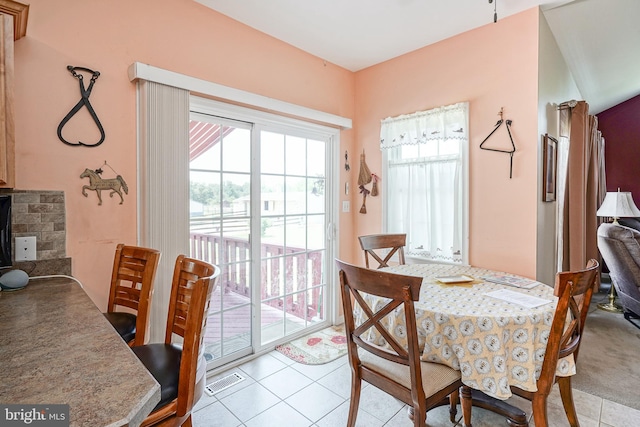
(181, 368)
(395, 243)
(574, 290)
(132, 280)
(397, 370)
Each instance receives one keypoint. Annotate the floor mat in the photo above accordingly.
(317, 348)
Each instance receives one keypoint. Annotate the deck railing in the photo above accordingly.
(287, 273)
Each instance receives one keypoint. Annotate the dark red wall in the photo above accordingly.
(620, 127)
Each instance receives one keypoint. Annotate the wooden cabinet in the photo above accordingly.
(13, 25)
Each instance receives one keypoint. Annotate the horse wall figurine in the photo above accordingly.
(97, 184)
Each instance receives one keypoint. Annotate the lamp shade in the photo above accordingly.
(618, 204)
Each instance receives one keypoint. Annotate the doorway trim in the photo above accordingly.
(139, 71)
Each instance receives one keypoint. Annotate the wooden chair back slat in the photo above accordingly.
(132, 282)
(373, 244)
(186, 274)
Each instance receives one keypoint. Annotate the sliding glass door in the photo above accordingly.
(260, 203)
(220, 228)
(293, 238)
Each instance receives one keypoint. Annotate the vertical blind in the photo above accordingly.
(163, 165)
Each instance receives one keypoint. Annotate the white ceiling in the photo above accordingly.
(600, 39)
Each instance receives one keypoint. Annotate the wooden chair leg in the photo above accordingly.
(466, 402)
(187, 422)
(356, 385)
(453, 406)
(539, 405)
(566, 393)
(420, 416)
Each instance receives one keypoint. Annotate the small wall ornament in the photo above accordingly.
(84, 102)
(96, 183)
(374, 186)
(364, 177)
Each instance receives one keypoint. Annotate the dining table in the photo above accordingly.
(490, 325)
(59, 356)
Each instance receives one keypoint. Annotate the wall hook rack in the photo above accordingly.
(513, 146)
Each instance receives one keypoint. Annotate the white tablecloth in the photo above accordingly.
(494, 343)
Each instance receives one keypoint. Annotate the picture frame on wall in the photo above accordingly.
(549, 167)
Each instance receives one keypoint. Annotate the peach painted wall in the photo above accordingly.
(492, 67)
(178, 35)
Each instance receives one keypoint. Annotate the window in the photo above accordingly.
(426, 159)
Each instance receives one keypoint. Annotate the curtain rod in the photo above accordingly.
(567, 104)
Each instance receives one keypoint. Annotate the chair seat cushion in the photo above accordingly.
(435, 376)
(163, 362)
(124, 323)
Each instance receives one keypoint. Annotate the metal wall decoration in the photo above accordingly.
(513, 145)
(96, 183)
(84, 102)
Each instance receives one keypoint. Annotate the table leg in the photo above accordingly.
(516, 417)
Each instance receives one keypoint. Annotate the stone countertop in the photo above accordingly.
(57, 347)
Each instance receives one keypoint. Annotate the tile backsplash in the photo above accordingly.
(40, 214)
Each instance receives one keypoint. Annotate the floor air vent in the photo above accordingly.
(223, 383)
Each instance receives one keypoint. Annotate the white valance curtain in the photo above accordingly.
(424, 157)
(448, 122)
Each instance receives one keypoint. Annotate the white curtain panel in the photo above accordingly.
(561, 183)
(424, 154)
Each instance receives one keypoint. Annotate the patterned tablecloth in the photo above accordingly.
(494, 343)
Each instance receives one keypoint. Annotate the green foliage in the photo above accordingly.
(205, 193)
(266, 223)
(209, 194)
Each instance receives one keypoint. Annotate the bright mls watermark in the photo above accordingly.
(34, 415)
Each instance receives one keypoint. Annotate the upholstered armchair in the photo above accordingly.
(619, 245)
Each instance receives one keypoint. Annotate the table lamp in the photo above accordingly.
(616, 204)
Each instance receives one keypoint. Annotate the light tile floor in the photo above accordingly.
(278, 391)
